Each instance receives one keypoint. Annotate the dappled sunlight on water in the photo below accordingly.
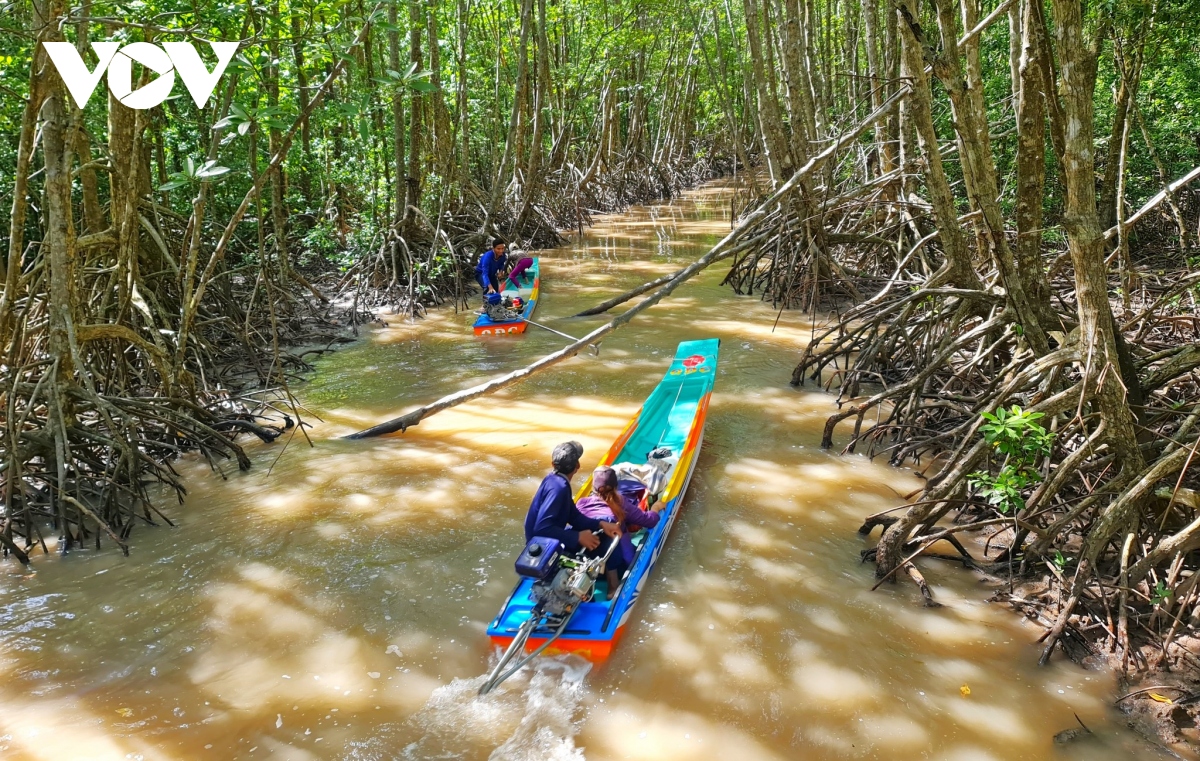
(332, 602)
(646, 730)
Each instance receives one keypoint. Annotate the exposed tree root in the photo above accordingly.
(914, 366)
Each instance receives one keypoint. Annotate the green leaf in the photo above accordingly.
(1161, 593)
(210, 170)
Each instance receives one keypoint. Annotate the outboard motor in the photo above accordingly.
(561, 582)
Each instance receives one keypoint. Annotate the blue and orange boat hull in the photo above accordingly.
(673, 416)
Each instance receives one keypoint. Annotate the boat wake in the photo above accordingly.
(530, 716)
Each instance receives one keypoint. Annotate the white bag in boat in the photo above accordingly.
(654, 473)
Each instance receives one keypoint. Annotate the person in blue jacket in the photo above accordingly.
(553, 513)
(502, 264)
(487, 261)
(490, 265)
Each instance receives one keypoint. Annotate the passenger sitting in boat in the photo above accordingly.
(553, 509)
(518, 270)
(612, 500)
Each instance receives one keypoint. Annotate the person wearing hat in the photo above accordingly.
(617, 501)
(553, 513)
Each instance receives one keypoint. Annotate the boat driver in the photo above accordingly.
(491, 263)
(553, 513)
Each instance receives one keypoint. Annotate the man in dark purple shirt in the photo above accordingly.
(553, 508)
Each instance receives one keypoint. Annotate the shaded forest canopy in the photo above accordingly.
(992, 200)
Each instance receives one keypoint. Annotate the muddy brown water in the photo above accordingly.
(335, 607)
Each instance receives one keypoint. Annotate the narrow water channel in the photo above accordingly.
(331, 603)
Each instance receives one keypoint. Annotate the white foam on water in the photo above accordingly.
(529, 717)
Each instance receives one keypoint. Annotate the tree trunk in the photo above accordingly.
(1108, 185)
(443, 140)
(874, 82)
(1163, 176)
(278, 212)
(1077, 58)
(1016, 34)
(416, 115)
(1031, 159)
(774, 142)
(727, 100)
(123, 195)
(58, 245)
(89, 185)
(891, 67)
(498, 181)
(541, 102)
(302, 100)
(463, 102)
(10, 269)
(957, 268)
(397, 113)
(979, 167)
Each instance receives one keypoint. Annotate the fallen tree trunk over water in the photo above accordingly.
(621, 299)
(724, 249)
(720, 251)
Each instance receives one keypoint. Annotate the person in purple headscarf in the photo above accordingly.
(616, 501)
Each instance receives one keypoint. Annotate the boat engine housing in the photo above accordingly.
(560, 581)
(539, 559)
(571, 585)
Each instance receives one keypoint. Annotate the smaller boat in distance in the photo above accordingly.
(527, 292)
(559, 604)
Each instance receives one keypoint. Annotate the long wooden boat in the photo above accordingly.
(528, 291)
(673, 417)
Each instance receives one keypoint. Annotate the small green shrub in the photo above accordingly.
(1017, 436)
